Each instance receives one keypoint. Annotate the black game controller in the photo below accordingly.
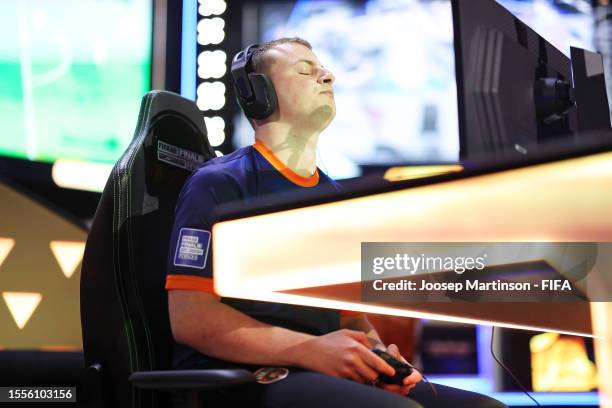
(402, 370)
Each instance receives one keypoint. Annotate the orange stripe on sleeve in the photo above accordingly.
(347, 313)
(188, 282)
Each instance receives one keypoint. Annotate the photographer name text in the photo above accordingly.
(469, 285)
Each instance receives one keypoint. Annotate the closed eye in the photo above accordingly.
(305, 73)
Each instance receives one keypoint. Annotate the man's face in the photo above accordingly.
(303, 87)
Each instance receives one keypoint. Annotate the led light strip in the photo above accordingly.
(212, 65)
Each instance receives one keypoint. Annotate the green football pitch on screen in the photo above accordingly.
(72, 74)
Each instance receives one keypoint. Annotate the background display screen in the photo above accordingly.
(72, 74)
(394, 64)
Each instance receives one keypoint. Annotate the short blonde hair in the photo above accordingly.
(259, 61)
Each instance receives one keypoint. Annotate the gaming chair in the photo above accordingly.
(124, 306)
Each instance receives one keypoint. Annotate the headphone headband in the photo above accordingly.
(241, 65)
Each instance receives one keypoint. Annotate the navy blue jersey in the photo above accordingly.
(246, 175)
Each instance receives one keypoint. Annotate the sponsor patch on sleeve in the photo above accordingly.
(192, 248)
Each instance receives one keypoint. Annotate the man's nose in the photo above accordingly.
(327, 77)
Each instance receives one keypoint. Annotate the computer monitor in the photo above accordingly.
(515, 91)
(590, 91)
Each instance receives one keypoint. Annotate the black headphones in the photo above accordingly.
(255, 92)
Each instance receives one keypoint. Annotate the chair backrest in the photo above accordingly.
(124, 311)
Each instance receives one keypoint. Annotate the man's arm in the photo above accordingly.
(201, 321)
(361, 323)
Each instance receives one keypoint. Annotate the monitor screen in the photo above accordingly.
(72, 74)
(394, 63)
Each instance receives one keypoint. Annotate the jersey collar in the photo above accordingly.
(283, 169)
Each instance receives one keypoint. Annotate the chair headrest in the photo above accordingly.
(170, 142)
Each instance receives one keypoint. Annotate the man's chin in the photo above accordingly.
(326, 112)
(321, 117)
(329, 120)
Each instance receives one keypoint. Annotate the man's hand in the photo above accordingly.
(409, 382)
(343, 353)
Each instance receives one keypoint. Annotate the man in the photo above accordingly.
(328, 352)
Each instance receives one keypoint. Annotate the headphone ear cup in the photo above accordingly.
(244, 105)
(265, 101)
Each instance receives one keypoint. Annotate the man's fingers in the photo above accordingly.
(394, 351)
(358, 336)
(377, 363)
(413, 378)
(365, 371)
